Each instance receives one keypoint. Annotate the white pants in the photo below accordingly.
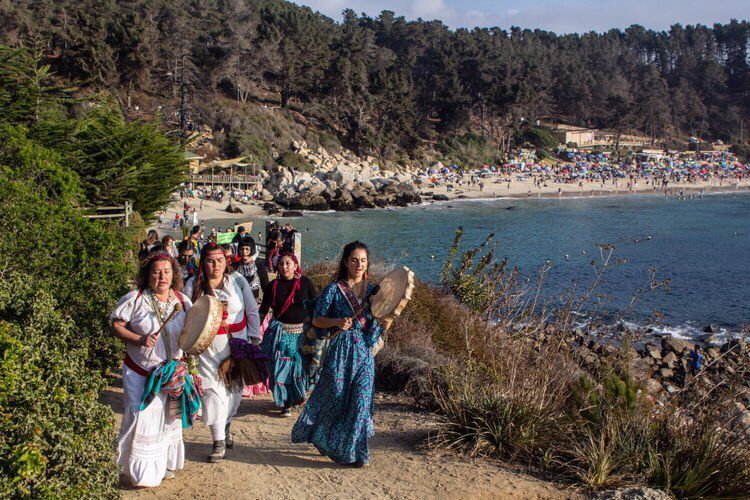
(219, 406)
(150, 441)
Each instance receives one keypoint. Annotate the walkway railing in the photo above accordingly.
(114, 212)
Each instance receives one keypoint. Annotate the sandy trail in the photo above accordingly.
(265, 464)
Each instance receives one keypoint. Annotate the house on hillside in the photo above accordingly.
(596, 138)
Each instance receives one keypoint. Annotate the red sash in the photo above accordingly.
(289, 300)
(130, 363)
(234, 327)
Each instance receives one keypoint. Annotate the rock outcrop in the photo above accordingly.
(338, 182)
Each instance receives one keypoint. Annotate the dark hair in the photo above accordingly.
(141, 279)
(184, 245)
(201, 283)
(226, 246)
(343, 272)
(246, 241)
(166, 238)
(195, 230)
(152, 234)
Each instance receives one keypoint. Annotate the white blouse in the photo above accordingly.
(141, 318)
(240, 301)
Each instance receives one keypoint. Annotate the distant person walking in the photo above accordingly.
(696, 360)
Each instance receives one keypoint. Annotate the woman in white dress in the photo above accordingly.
(150, 446)
(219, 403)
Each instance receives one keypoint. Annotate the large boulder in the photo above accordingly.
(265, 195)
(362, 199)
(307, 201)
(711, 328)
(343, 175)
(675, 345)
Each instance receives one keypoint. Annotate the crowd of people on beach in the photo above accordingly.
(655, 171)
(316, 349)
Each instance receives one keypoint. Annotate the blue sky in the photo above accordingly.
(560, 16)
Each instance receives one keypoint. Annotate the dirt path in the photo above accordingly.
(265, 464)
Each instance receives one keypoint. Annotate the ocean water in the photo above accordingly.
(701, 244)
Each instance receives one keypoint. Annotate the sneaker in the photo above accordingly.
(229, 440)
(285, 412)
(218, 451)
(169, 474)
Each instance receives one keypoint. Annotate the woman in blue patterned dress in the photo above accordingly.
(338, 417)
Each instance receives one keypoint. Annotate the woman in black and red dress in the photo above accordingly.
(286, 296)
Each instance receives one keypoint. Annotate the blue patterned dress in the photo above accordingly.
(338, 416)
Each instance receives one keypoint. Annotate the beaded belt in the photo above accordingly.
(293, 328)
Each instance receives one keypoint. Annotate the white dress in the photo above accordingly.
(150, 441)
(218, 403)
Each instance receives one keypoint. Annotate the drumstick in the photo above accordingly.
(177, 308)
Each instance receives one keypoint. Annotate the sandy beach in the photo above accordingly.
(212, 211)
(494, 187)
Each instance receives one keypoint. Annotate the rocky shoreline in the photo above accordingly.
(340, 182)
(663, 364)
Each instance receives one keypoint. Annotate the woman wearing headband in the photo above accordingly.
(338, 416)
(150, 445)
(215, 278)
(286, 296)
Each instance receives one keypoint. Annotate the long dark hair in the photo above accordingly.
(201, 282)
(343, 272)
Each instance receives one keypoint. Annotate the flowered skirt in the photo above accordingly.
(287, 379)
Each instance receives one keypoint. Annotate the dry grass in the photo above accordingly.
(500, 393)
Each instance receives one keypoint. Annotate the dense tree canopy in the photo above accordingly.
(385, 84)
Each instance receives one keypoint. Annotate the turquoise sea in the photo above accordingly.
(701, 244)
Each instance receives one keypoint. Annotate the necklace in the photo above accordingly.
(162, 309)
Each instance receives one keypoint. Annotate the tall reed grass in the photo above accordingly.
(469, 349)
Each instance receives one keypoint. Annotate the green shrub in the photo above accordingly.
(83, 262)
(25, 160)
(56, 439)
(540, 138)
(701, 456)
(118, 161)
(255, 148)
(468, 151)
(295, 161)
(330, 142)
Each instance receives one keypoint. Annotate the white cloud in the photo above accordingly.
(561, 16)
(428, 9)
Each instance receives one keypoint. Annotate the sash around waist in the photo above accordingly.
(293, 328)
(234, 327)
(131, 363)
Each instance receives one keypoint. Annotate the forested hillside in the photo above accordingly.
(385, 86)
